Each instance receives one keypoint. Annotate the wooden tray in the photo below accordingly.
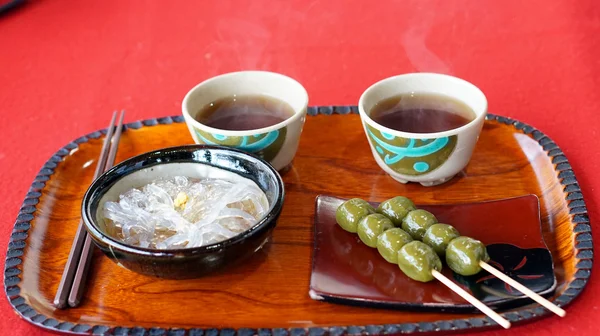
(269, 294)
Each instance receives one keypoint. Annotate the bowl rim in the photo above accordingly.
(115, 174)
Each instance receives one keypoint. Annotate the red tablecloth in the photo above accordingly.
(65, 65)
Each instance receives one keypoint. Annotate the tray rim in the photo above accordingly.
(583, 250)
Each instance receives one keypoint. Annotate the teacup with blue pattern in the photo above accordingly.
(427, 158)
(410, 156)
(277, 144)
(265, 145)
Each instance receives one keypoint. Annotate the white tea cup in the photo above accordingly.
(277, 144)
(427, 158)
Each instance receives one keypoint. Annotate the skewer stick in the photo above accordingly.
(531, 294)
(472, 300)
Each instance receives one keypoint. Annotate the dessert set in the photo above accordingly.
(255, 213)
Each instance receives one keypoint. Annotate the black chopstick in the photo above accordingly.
(66, 281)
(84, 261)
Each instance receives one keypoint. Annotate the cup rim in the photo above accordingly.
(297, 114)
(411, 135)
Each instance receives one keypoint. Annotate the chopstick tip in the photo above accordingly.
(59, 304)
(74, 303)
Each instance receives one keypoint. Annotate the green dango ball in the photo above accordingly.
(463, 255)
(349, 213)
(417, 260)
(396, 209)
(390, 242)
(438, 236)
(372, 226)
(416, 223)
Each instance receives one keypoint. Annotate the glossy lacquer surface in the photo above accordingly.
(271, 290)
(347, 271)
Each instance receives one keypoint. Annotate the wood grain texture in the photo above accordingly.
(271, 289)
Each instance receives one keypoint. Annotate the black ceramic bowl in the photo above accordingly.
(191, 161)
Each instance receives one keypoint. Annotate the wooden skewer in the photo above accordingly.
(531, 294)
(472, 300)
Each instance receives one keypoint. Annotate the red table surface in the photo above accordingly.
(65, 65)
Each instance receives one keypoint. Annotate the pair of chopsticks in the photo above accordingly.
(72, 283)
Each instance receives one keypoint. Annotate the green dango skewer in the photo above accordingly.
(467, 256)
(375, 228)
(355, 215)
(464, 255)
(415, 259)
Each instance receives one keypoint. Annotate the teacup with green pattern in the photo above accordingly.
(427, 158)
(277, 144)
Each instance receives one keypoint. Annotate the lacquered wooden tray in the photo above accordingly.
(269, 294)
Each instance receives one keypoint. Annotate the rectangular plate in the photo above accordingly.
(347, 271)
(270, 291)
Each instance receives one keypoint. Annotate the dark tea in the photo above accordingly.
(242, 113)
(422, 113)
